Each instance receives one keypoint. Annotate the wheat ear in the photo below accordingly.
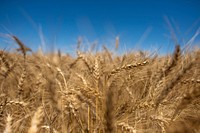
(36, 120)
(8, 128)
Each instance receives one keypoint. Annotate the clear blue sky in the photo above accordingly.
(140, 24)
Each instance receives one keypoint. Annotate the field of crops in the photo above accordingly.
(99, 92)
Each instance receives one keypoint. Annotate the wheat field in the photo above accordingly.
(99, 92)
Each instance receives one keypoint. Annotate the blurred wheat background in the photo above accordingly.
(99, 92)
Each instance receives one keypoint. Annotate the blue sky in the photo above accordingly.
(140, 24)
